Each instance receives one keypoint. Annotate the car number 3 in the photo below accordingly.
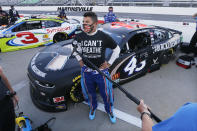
(132, 66)
(27, 37)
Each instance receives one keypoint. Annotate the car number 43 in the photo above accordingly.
(132, 66)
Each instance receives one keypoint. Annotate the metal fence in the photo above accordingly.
(148, 3)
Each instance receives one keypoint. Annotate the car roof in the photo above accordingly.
(123, 27)
(120, 31)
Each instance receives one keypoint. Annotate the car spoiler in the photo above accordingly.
(175, 31)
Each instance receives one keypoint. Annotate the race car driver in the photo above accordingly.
(3, 17)
(93, 44)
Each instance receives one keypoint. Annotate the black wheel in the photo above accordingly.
(166, 56)
(76, 93)
(60, 37)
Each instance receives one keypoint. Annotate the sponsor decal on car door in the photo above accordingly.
(28, 38)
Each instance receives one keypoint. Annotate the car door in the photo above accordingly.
(27, 34)
(52, 26)
(135, 56)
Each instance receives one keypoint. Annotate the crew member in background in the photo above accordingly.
(3, 17)
(93, 44)
(13, 14)
(194, 38)
(62, 14)
(8, 101)
(110, 16)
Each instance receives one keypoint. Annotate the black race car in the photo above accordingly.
(54, 73)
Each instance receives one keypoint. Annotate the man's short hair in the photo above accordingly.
(111, 7)
(92, 15)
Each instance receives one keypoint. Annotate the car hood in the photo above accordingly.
(54, 59)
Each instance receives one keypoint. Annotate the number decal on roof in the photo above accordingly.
(27, 37)
(120, 24)
(128, 25)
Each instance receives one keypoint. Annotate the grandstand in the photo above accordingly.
(160, 3)
(157, 3)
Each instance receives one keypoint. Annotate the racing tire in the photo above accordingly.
(166, 56)
(60, 37)
(76, 92)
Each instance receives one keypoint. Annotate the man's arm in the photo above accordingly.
(17, 14)
(115, 17)
(147, 122)
(8, 85)
(5, 80)
(76, 54)
(106, 19)
(79, 59)
(10, 13)
(114, 56)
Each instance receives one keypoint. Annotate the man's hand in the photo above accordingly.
(15, 100)
(81, 63)
(142, 107)
(147, 122)
(104, 65)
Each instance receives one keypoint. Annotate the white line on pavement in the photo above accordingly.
(119, 114)
(122, 115)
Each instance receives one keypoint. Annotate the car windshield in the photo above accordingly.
(72, 21)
